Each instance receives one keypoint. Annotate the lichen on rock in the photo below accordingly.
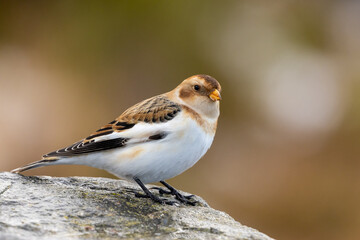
(101, 208)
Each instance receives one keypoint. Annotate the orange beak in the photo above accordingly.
(215, 95)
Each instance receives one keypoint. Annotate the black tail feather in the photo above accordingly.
(41, 163)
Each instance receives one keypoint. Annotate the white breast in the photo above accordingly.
(159, 160)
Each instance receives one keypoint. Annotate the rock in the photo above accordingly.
(100, 208)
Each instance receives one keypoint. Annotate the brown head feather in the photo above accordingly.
(210, 81)
(197, 93)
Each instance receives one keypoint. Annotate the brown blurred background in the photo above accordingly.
(285, 159)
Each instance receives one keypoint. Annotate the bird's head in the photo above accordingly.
(202, 93)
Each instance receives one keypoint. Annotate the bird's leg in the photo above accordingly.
(148, 194)
(178, 196)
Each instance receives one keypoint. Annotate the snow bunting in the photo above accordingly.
(152, 141)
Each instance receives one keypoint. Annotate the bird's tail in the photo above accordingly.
(41, 163)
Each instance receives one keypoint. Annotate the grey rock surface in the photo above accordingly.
(100, 208)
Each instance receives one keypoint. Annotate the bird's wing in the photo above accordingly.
(116, 134)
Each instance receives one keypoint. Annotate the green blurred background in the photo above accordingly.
(285, 159)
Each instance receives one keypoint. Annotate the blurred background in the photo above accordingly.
(285, 159)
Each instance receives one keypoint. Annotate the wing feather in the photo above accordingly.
(153, 110)
(88, 147)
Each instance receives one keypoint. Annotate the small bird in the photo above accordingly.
(152, 141)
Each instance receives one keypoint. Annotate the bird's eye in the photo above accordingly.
(197, 87)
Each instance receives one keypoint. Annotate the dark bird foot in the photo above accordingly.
(148, 194)
(174, 192)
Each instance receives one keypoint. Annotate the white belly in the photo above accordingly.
(155, 160)
(163, 159)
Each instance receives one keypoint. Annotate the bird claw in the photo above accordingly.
(185, 199)
(178, 196)
(182, 198)
(189, 196)
(156, 199)
(161, 191)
